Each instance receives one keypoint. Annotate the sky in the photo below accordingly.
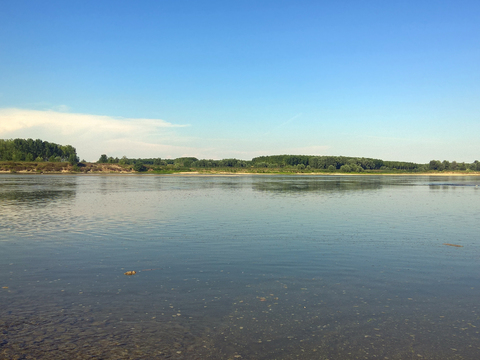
(395, 80)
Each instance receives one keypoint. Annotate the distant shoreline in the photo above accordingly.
(330, 174)
(64, 168)
(232, 174)
(195, 174)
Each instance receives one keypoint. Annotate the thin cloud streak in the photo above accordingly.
(283, 124)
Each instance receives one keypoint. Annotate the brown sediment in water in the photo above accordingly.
(280, 328)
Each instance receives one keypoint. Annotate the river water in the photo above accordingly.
(239, 267)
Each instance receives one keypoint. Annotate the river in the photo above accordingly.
(239, 267)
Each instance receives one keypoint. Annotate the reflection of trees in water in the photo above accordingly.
(201, 183)
(452, 182)
(35, 191)
(36, 198)
(452, 186)
(277, 184)
(319, 185)
(28, 212)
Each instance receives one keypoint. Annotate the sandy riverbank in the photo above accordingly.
(112, 169)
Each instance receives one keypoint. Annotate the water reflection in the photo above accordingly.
(453, 186)
(28, 203)
(37, 198)
(315, 184)
(36, 191)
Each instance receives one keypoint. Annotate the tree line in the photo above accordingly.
(36, 150)
(298, 162)
(452, 166)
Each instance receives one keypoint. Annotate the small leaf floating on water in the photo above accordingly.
(454, 245)
(133, 272)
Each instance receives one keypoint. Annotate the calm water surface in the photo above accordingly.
(239, 267)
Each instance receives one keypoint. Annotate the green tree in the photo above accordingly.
(475, 166)
(139, 167)
(103, 159)
(124, 161)
(18, 156)
(73, 159)
(21, 149)
(436, 165)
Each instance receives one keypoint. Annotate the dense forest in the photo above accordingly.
(297, 162)
(36, 150)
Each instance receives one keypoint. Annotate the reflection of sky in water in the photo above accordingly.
(325, 265)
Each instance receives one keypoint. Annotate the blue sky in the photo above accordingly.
(217, 79)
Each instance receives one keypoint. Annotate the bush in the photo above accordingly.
(73, 159)
(139, 167)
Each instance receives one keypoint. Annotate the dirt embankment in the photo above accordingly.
(95, 168)
(62, 168)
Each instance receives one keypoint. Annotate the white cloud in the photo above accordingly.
(61, 108)
(93, 135)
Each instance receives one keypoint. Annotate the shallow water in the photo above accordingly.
(247, 267)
